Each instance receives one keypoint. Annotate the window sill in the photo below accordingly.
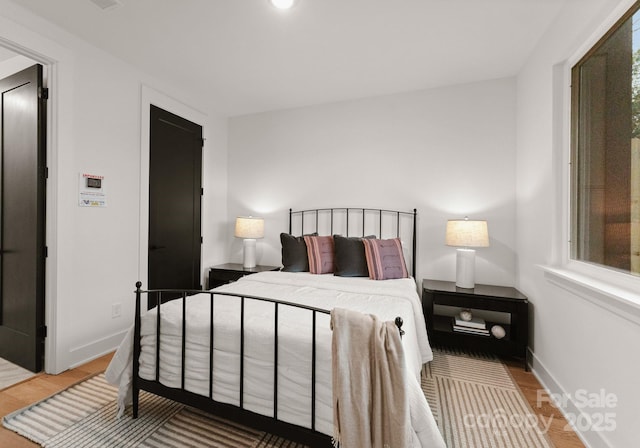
(620, 301)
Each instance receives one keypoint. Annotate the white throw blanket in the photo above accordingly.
(370, 406)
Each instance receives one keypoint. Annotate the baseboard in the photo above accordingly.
(571, 412)
(93, 350)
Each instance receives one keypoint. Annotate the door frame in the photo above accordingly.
(149, 96)
(50, 78)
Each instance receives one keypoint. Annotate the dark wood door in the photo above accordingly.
(22, 220)
(175, 186)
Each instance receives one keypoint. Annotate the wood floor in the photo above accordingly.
(559, 432)
(37, 388)
(43, 385)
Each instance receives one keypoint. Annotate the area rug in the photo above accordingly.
(477, 404)
(11, 374)
(473, 399)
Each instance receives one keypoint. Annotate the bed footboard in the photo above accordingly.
(306, 435)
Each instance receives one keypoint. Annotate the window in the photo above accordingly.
(605, 156)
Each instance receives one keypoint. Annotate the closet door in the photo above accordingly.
(22, 220)
(175, 186)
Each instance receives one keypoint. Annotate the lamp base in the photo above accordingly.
(249, 256)
(465, 268)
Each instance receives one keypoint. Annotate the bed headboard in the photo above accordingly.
(359, 222)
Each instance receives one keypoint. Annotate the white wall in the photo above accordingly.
(448, 152)
(95, 127)
(577, 345)
(14, 65)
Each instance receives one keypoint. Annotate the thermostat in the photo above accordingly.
(93, 182)
(91, 190)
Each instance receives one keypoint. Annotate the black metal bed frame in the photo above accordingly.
(307, 436)
(349, 211)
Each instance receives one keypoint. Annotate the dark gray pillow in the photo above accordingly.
(294, 253)
(350, 259)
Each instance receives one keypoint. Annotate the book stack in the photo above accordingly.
(474, 326)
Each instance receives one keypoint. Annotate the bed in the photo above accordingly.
(266, 360)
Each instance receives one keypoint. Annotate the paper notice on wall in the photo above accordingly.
(92, 191)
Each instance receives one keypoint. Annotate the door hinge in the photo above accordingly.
(44, 93)
(202, 192)
(46, 251)
(42, 331)
(46, 172)
(202, 142)
(201, 240)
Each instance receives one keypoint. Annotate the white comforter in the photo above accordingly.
(387, 299)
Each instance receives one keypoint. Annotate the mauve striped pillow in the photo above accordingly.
(385, 259)
(321, 254)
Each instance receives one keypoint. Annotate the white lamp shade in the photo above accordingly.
(249, 227)
(467, 233)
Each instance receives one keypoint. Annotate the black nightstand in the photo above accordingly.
(230, 272)
(483, 297)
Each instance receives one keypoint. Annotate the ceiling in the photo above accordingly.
(6, 54)
(246, 56)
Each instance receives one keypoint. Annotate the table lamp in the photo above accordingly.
(465, 234)
(249, 229)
